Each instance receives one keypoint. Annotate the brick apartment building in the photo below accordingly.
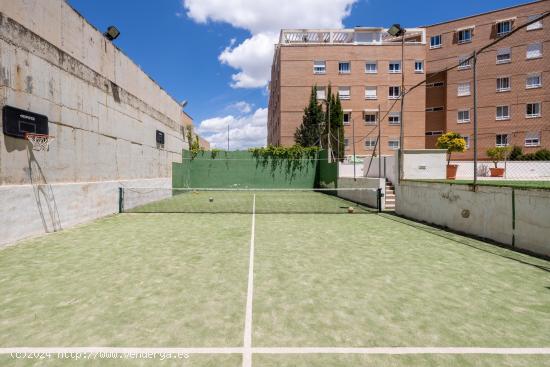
(363, 65)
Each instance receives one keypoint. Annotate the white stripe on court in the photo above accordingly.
(247, 354)
(285, 350)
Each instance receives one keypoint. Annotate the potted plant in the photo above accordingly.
(453, 143)
(497, 154)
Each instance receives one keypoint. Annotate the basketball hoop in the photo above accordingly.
(39, 141)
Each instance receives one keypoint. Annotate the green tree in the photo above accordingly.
(498, 154)
(453, 143)
(308, 133)
(334, 109)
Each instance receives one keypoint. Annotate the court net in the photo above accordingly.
(306, 201)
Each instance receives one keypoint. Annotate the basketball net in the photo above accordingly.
(39, 141)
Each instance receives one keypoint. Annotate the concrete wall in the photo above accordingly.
(102, 108)
(367, 197)
(388, 168)
(487, 213)
(346, 169)
(421, 164)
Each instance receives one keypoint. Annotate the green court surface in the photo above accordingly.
(181, 280)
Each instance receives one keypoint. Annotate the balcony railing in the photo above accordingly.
(361, 36)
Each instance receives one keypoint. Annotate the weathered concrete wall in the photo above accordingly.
(367, 197)
(487, 213)
(28, 210)
(102, 108)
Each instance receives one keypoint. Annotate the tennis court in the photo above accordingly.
(265, 278)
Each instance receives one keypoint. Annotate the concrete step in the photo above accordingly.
(390, 192)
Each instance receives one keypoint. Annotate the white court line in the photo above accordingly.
(247, 354)
(285, 350)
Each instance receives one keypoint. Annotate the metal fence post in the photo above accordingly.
(120, 200)
(475, 116)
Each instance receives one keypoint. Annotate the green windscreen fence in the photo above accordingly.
(241, 169)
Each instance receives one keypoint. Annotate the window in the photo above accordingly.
(395, 67)
(321, 93)
(503, 113)
(371, 93)
(319, 67)
(434, 109)
(394, 92)
(503, 84)
(534, 25)
(419, 66)
(502, 140)
(534, 50)
(344, 67)
(347, 117)
(463, 116)
(504, 27)
(370, 143)
(346, 142)
(393, 144)
(463, 89)
(465, 35)
(533, 81)
(371, 67)
(344, 92)
(394, 118)
(434, 133)
(467, 140)
(532, 139)
(464, 62)
(435, 85)
(435, 41)
(532, 110)
(504, 55)
(370, 117)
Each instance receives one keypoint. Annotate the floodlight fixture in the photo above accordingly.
(396, 30)
(112, 33)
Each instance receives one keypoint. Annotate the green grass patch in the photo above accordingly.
(131, 280)
(367, 281)
(545, 185)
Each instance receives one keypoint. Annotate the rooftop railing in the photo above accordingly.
(360, 36)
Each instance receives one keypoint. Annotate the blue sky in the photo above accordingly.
(216, 54)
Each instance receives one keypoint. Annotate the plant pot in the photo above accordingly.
(497, 172)
(451, 171)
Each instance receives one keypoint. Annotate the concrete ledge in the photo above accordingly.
(28, 210)
(517, 218)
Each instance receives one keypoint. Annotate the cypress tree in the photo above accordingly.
(308, 133)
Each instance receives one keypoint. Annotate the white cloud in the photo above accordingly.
(241, 107)
(264, 19)
(245, 131)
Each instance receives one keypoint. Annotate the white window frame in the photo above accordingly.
(435, 85)
(370, 113)
(437, 45)
(319, 67)
(463, 32)
(504, 51)
(536, 25)
(500, 80)
(393, 96)
(532, 139)
(324, 93)
(464, 62)
(434, 133)
(342, 93)
(467, 140)
(531, 47)
(533, 86)
(368, 71)
(462, 119)
(393, 140)
(533, 115)
(502, 116)
(394, 71)
(370, 143)
(421, 69)
(502, 144)
(371, 88)
(435, 109)
(340, 71)
(393, 115)
(346, 142)
(463, 92)
(502, 22)
(348, 113)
